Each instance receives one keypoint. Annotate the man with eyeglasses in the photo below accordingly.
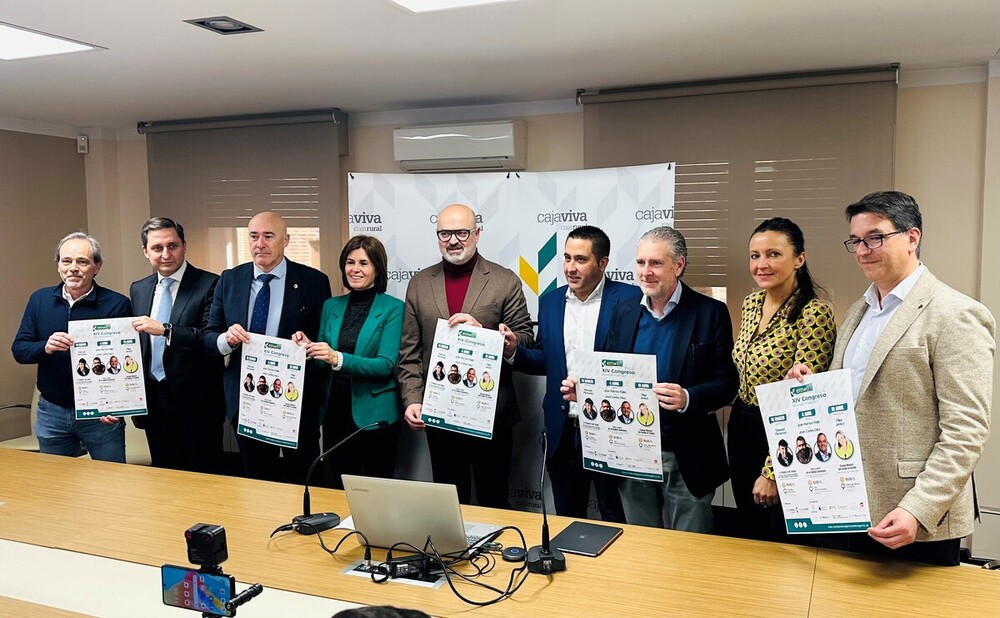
(921, 360)
(463, 288)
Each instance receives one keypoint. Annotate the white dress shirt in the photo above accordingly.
(873, 322)
(580, 330)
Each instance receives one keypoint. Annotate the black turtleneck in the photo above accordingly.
(359, 303)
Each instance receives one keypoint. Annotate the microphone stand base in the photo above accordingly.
(318, 522)
(544, 561)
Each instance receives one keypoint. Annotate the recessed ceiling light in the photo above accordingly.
(17, 43)
(423, 6)
(223, 25)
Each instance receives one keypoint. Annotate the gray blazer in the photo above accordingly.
(494, 297)
(923, 410)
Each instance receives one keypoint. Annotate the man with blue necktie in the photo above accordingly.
(183, 383)
(276, 297)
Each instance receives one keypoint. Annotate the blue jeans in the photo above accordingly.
(59, 433)
(668, 504)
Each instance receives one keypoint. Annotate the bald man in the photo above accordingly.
(285, 297)
(463, 288)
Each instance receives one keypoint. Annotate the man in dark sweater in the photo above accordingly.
(692, 338)
(43, 340)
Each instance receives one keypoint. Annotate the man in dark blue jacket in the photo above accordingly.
(43, 340)
(573, 318)
(691, 336)
(291, 299)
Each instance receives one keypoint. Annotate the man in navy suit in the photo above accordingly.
(294, 297)
(572, 318)
(183, 383)
(692, 338)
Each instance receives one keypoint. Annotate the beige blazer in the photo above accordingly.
(924, 406)
(494, 297)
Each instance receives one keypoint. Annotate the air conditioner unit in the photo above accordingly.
(483, 146)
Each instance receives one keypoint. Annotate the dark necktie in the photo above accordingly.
(258, 320)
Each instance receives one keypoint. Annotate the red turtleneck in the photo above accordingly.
(456, 282)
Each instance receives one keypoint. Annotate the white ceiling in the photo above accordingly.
(368, 55)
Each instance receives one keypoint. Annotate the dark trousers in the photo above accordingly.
(747, 444)
(457, 459)
(267, 462)
(370, 453)
(571, 482)
(942, 553)
(183, 433)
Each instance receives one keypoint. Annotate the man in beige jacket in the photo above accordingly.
(921, 361)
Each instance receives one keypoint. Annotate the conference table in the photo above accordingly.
(138, 514)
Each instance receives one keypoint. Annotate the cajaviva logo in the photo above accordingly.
(555, 218)
(364, 222)
(530, 275)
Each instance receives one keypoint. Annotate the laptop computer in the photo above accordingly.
(390, 511)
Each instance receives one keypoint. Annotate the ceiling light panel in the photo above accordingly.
(424, 6)
(17, 43)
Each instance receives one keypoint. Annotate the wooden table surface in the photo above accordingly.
(139, 514)
(22, 609)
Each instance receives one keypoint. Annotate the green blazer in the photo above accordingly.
(374, 392)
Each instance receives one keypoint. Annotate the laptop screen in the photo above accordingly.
(390, 511)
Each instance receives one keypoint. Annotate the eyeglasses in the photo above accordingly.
(872, 241)
(461, 235)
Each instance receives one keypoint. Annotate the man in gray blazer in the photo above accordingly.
(463, 288)
(921, 361)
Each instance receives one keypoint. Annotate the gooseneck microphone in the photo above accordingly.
(309, 523)
(543, 558)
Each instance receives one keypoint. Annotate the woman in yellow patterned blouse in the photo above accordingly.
(782, 324)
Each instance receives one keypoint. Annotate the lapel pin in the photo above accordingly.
(295, 286)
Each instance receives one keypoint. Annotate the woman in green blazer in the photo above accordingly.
(359, 335)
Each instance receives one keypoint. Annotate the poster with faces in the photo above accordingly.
(271, 393)
(619, 415)
(813, 439)
(107, 368)
(460, 390)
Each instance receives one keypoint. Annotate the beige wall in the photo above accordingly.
(989, 465)
(43, 197)
(117, 206)
(940, 149)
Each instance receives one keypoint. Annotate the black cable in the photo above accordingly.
(446, 562)
(332, 552)
(503, 594)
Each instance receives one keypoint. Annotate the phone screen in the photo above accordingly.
(191, 589)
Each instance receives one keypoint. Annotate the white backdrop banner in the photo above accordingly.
(525, 218)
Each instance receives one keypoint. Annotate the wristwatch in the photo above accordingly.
(168, 329)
